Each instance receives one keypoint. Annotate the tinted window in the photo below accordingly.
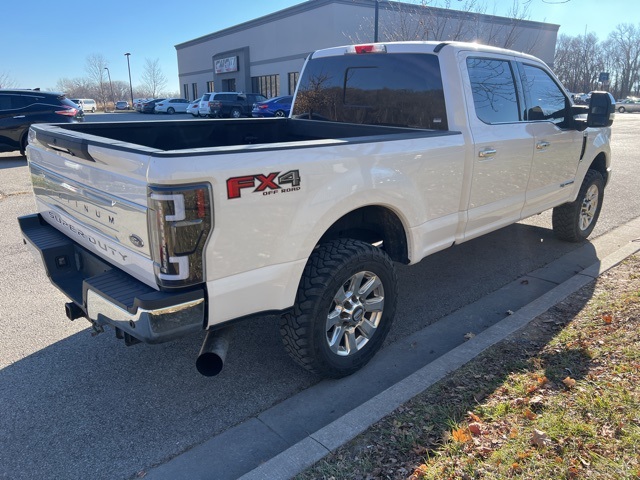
(5, 102)
(545, 98)
(494, 90)
(377, 89)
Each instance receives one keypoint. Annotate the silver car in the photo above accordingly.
(628, 105)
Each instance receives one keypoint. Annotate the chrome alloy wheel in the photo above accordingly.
(356, 313)
(589, 207)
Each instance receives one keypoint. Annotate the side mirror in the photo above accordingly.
(602, 107)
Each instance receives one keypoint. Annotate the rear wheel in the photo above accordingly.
(171, 110)
(235, 113)
(279, 113)
(575, 221)
(621, 109)
(344, 308)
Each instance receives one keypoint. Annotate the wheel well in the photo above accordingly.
(374, 225)
(600, 164)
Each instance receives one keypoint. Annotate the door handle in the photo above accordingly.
(542, 145)
(487, 152)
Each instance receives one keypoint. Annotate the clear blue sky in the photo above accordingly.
(42, 41)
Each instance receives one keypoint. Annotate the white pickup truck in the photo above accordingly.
(392, 152)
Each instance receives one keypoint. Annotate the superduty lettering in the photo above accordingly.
(97, 243)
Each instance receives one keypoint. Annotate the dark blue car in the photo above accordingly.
(274, 107)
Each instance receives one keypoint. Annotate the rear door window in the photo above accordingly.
(403, 90)
(494, 90)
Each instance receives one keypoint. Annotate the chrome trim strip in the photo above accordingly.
(111, 216)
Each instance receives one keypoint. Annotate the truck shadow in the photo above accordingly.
(74, 407)
(8, 160)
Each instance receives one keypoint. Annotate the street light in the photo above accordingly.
(130, 85)
(376, 20)
(113, 98)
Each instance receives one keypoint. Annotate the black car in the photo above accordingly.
(150, 106)
(19, 109)
(233, 104)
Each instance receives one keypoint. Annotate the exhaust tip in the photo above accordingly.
(213, 352)
(73, 311)
(209, 364)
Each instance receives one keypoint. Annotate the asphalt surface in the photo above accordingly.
(75, 406)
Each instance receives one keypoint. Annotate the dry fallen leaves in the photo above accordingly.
(475, 428)
(474, 417)
(569, 382)
(461, 435)
(607, 318)
(540, 438)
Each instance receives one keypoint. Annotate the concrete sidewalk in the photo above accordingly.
(293, 435)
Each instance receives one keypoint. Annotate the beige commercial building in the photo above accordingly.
(266, 55)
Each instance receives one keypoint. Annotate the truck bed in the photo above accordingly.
(173, 137)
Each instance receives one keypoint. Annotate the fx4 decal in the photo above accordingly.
(269, 184)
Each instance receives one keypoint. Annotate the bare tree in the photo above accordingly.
(153, 80)
(623, 44)
(81, 87)
(95, 69)
(578, 62)
(436, 20)
(6, 81)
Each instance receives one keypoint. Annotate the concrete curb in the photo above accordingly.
(327, 439)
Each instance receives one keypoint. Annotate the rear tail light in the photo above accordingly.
(263, 107)
(214, 104)
(180, 221)
(68, 112)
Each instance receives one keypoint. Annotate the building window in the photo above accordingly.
(210, 86)
(293, 81)
(194, 90)
(267, 85)
(185, 90)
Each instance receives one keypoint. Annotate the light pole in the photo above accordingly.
(113, 99)
(376, 20)
(130, 85)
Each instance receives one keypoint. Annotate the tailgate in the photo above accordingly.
(94, 197)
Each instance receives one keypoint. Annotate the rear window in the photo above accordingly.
(403, 90)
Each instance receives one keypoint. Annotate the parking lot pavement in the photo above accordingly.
(288, 438)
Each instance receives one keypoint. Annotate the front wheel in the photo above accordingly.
(344, 308)
(575, 221)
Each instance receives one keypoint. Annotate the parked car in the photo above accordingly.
(193, 107)
(19, 109)
(137, 103)
(228, 104)
(274, 107)
(628, 105)
(122, 105)
(85, 104)
(150, 106)
(172, 105)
